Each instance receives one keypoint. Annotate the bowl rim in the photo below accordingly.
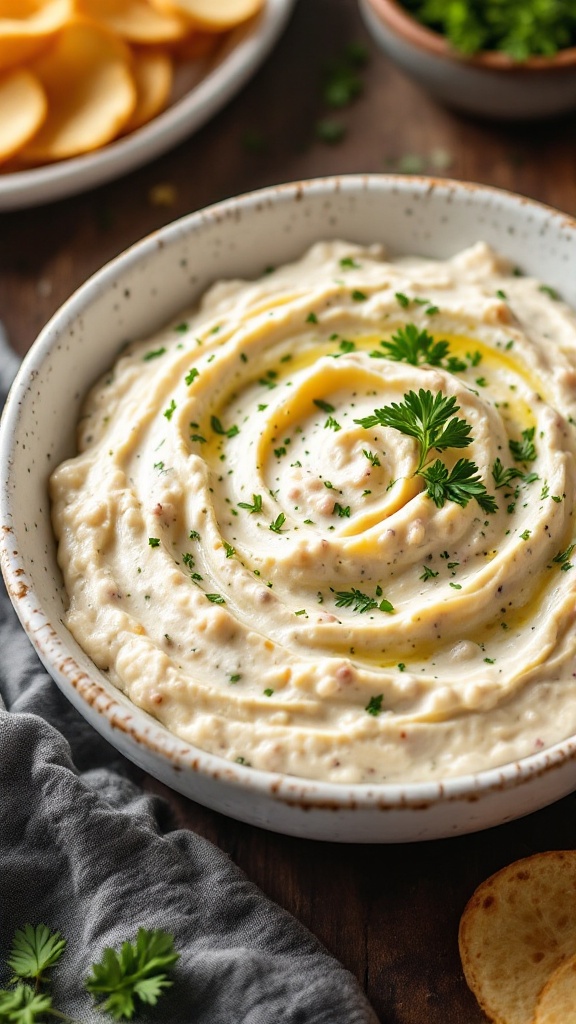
(402, 23)
(117, 714)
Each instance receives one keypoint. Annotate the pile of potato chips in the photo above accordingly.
(518, 941)
(75, 74)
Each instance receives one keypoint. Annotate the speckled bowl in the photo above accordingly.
(140, 291)
(489, 84)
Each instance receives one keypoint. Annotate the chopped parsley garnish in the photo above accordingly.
(325, 406)
(219, 429)
(278, 523)
(311, 318)
(256, 505)
(502, 477)
(348, 263)
(374, 705)
(372, 457)
(428, 573)
(236, 677)
(194, 535)
(549, 291)
(216, 598)
(181, 328)
(346, 346)
(359, 296)
(154, 354)
(360, 602)
(332, 424)
(198, 438)
(191, 375)
(154, 542)
(526, 534)
(230, 551)
(169, 412)
(268, 692)
(402, 299)
(524, 450)
(563, 558)
(338, 510)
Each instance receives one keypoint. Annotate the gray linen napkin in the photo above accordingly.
(83, 850)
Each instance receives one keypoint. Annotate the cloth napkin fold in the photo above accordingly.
(85, 851)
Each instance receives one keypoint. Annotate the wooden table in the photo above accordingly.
(389, 913)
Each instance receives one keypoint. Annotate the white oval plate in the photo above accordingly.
(216, 83)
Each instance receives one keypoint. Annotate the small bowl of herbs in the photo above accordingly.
(513, 59)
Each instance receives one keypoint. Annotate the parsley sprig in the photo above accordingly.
(409, 345)
(524, 450)
(431, 420)
(427, 418)
(137, 973)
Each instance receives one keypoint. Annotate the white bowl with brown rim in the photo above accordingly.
(140, 291)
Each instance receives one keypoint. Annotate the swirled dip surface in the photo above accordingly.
(274, 580)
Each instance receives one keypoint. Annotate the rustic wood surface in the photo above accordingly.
(390, 914)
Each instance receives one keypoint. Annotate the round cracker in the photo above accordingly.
(22, 110)
(90, 89)
(516, 929)
(152, 71)
(27, 27)
(137, 21)
(210, 15)
(557, 1000)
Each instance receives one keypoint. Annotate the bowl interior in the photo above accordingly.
(167, 272)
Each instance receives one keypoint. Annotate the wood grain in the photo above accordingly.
(390, 914)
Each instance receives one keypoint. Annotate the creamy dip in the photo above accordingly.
(277, 582)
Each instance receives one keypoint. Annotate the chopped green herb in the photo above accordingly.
(169, 412)
(311, 318)
(268, 692)
(338, 510)
(359, 296)
(409, 345)
(230, 551)
(348, 263)
(502, 477)
(236, 677)
(325, 406)
(191, 375)
(332, 424)
(402, 299)
(428, 573)
(153, 354)
(372, 457)
(194, 535)
(154, 542)
(181, 328)
(549, 291)
(525, 450)
(278, 523)
(256, 505)
(219, 429)
(374, 705)
(216, 598)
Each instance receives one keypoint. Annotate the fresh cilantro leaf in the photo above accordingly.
(34, 949)
(460, 484)
(137, 972)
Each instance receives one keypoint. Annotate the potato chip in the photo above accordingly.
(152, 73)
(516, 929)
(27, 26)
(22, 110)
(211, 15)
(135, 20)
(91, 92)
(557, 1000)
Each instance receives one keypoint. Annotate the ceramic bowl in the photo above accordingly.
(137, 293)
(489, 84)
